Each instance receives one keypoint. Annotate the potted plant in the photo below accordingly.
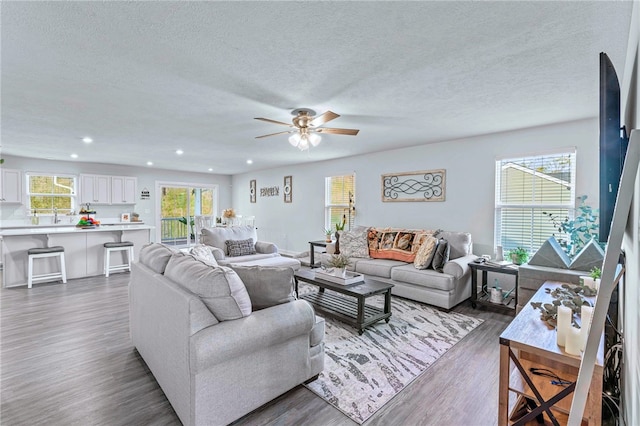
(519, 255)
(327, 234)
(340, 262)
(593, 280)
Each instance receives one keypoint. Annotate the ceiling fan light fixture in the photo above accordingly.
(294, 139)
(314, 139)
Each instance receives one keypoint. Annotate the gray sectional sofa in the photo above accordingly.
(444, 289)
(212, 367)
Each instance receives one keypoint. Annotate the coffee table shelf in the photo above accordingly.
(349, 306)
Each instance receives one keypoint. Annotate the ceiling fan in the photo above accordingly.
(306, 127)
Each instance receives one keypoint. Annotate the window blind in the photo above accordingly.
(527, 190)
(339, 190)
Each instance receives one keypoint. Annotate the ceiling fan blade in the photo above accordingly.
(323, 118)
(274, 121)
(273, 134)
(351, 132)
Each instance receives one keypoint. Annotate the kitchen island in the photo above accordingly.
(84, 249)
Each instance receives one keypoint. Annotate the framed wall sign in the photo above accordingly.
(425, 185)
(288, 189)
(252, 190)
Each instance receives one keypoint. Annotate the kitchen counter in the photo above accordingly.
(64, 225)
(84, 249)
(65, 229)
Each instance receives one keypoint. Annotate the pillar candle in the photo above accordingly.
(572, 345)
(586, 315)
(565, 315)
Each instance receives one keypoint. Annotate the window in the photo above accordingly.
(48, 192)
(339, 199)
(526, 189)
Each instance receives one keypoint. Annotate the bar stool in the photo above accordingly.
(126, 246)
(44, 252)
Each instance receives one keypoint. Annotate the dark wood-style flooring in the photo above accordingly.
(66, 359)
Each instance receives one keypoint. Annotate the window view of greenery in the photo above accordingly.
(175, 203)
(527, 190)
(47, 193)
(338, 191)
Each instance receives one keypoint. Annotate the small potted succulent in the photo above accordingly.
(339, 262)
(519, 255)
(327, 234)
(593, 279)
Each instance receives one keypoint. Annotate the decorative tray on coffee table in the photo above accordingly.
(349, 278)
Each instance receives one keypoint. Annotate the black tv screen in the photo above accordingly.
(613, 144)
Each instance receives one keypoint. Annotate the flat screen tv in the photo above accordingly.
(613, 144)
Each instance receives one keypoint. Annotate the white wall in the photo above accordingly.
(470, 176)
(147, 178)
(630, 91)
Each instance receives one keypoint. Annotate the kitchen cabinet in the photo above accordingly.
(11, 186)
(95, 189)
(123, 189)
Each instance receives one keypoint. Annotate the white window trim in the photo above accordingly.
(28, 193)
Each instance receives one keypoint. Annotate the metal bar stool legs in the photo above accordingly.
(127, 247)
(42, 253)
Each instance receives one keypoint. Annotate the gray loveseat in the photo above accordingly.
(214, 369)
(444, 289)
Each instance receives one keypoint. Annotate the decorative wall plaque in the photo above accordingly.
(426, 185)
(287, 189)
(252, 190)
(270, 191)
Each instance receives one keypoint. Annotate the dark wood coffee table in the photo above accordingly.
(351, 311)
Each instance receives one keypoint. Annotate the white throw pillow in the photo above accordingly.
(204, 253)
(354, 243)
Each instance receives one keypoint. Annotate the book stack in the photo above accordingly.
(498, 263)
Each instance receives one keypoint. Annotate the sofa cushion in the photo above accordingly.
(155, 256)
(354, 243)
(203, 252)
(441, 256)
(240, 247)
(394, 243)
(424, 255)
(267, 286)
(460, 243)
(377, 267)
(219, 288)
(423, 277)
(216, 236)
(249, 258)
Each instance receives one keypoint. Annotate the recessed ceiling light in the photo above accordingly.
(149, 163)
(74, 155)
(179, 151)
(87, 139)
(210, 169)
(249, 161)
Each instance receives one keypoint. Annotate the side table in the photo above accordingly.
(509, 304)
(312, 245)
(529, 345)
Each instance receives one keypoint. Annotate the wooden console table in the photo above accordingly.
(528, 343)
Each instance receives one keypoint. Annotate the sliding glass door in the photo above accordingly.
(179, 204)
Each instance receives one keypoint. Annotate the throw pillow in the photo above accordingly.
(267, 286)
(240, 247)
(354, 243)
(441, 255)
(203, 253)
(155, 256)
(397, 244)
(219, 288)
(424, 255)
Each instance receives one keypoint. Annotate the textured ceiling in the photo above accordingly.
(146, 78)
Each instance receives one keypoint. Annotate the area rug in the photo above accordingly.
(362, 373)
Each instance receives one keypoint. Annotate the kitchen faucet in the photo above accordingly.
(55, 215)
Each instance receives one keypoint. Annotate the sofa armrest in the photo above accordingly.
(228, 339)
(459, 267)
(266, 247)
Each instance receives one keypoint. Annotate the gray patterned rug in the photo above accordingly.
(362, 373)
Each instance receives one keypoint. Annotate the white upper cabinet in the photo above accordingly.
(11, 186)
(95, 189)
(123, 190)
